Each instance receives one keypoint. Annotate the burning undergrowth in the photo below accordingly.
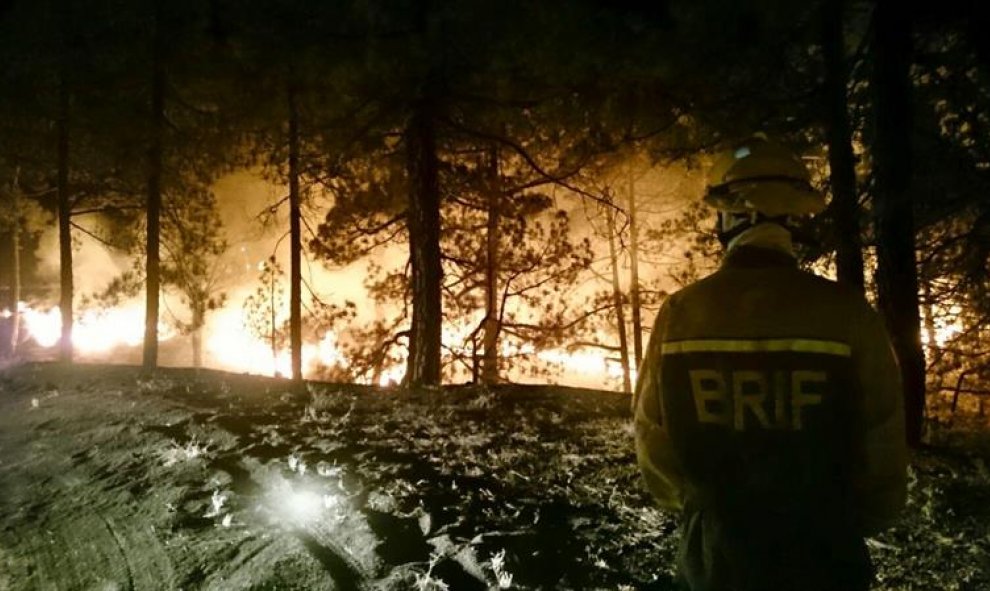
(204, 479)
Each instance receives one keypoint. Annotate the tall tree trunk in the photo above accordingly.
(10, 241)
(897, 273)
(928, 318)
(423, 221)
(15, 272)
(198, 320)
(295, 239)
(617, 300)
(272, 320)
(849, 247)
(634, 295)
(8, 305)
(66, 288)
(489, 368)
(154, 205)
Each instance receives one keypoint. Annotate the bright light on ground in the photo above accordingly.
(303, 505)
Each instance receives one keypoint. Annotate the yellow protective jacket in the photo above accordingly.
(770, 401)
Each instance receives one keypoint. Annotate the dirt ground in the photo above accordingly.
(188, 480)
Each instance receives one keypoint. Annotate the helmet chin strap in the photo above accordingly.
(728, 225)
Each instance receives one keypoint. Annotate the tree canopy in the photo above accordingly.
(479, 161)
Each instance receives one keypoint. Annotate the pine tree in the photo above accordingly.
(261, 309)
(193, 242)
(845, 198)
(897, 276)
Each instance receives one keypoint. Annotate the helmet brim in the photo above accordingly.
(772, 199)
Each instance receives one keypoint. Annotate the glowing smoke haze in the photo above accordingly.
(229, 344)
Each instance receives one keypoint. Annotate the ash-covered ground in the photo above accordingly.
(201, 479)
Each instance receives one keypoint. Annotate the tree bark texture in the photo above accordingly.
(295, 239)
(15, 272)
(423, 221)
(272, 309)
(10, 268)
(66, 288)
(635, 302)
(848, 244)
(489, 366)
(8, 310)
(198, 320)
(154, 197)
(897, 274)
(8, 305)
(620, 316)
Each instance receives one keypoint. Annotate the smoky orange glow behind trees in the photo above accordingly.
(454, 173)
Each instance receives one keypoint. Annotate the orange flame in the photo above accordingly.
(230, 345)
(95, 331)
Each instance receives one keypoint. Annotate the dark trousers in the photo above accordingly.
(771, 554)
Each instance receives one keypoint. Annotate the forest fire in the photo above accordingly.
(230, 345)
(95, 331)
(354, 295)
(558, 308)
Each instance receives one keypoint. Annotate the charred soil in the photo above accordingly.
(111, 479)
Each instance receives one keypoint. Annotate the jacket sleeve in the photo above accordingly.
(655, 455)
(879, 465)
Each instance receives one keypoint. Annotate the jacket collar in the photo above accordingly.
(751, 256)
(766, 244)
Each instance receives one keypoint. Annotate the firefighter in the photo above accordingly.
(768, 409)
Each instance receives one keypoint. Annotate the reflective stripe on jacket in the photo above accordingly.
(771, 396)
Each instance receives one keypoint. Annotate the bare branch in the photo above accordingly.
(106, 209)
(94, 236)
(559, 178)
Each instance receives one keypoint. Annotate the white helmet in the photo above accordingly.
(762, 177)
